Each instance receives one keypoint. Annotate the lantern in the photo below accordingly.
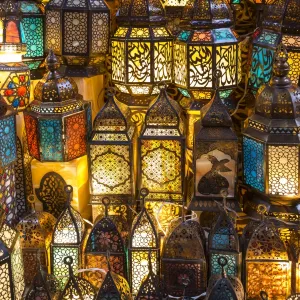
(141, 52)
(35, 236)
(78, 31)
(215, 156)
(294, 246)
(267, 264)
(111, 152)
(143, 240)
(58, 120)
(294, 297)
(104, 237)
(14, 75)
(114, 287)
(224, 242)
(270, 142)
(183, 257)
(11, 263)
(162, 150)
(76, 287)
(223, 286)
(67, 240)
(33, 20)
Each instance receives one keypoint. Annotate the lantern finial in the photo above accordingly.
(143, 194)
(69, 261)
(218, 75)
(52, 61)
(106, 203)
(31, 201)
(68, 191)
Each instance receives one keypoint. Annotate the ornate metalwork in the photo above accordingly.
(52, 193)
(294, 297)
(76, 287)
(104, 237)
(183, 257)
(223, 286)
(162, 150)
(56, 121)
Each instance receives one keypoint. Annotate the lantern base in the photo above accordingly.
(37, 74)
(81, 71)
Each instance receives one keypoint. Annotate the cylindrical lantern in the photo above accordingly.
(162, 150)
(271, 141)
(78, 31)
(67, 240)
(141, 52)
(14, 75)
(57, 122)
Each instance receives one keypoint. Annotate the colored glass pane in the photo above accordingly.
(27, 7)
(139, 33)
(184, 35)
(270, 38)
(121, 32)
(160, 32)
(203, 36)
(12, 33)
(184, 92)
(1, 31)
(231, 268)
(224, 35)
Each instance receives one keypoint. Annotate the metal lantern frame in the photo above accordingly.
(87, 25)
(163, 130)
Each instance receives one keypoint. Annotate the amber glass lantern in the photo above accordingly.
(105, 237)
(141, 52)
(14, 75)
(271, 142)
(78, 31)
(143, 240)
(183, 257)
(57, 122)
(215, 157)
(35, 235)
(67, 240)
(162, 150)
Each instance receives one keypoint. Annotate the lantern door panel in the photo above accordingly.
(75, 132)
(110, 169)
(31, 125)
(162, 61)
(161, 166)
(53, 31)
(118, 61)
(100, 32)
(215, 171)
(180, 64)
(51, 139)
(232, 268)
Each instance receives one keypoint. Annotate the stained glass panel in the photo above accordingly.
(53, 30)
(118, 60)
(223, 35)
(31, 125)
(5, 285)
(231, 268)
(180, 64)
(162, 61)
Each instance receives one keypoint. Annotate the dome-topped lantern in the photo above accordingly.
(58, 121)
(223, 286)
(78, 31)
(141, 52)
(271, 141)
(67, 240)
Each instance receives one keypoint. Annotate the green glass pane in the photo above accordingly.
(184, 92)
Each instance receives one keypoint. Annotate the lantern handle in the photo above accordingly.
(68, 190)
(262, 209)
(106, 203)
(69, 261)
(144, 192)
(263, 295)
(185, 282)
(217, 74)
(223, 261)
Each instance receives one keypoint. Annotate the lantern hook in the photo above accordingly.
(217, 75)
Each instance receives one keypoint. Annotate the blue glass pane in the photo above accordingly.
(224, 35)
(269, 38)
(8, 148)
(27, 7)
(51, 140)
(254, 163)
(261, 66)
(23, 38)
(34, 31)
(184, 92)
(231, 268)
(184, 35)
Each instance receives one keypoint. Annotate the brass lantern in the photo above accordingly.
(105, 237)
(67, 240)
(76, 287)
(271, 142)
(35, 236)
(223, 286)
(294, 246)
(183, 257)
(162, 150)
(141, 52)
(58, 121)
(78, 31)
(215, 157)
(143, 240)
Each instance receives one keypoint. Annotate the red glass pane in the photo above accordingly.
(31, 125)
(12, 33)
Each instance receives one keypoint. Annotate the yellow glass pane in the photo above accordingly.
(180, 64)
(1, 31)
(162, 61)
(160, 32)
(118, 60)
(294, 62)
(140, 90)
(140, 33)
(121, 32)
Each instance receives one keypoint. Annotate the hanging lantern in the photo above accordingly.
(104, 237)
(270, 141)
(223, 286)
(215, 156)
(267, 265)
(78, 31)
(33, 20)
(224, 242)
(14, 75)
(141, 52)
(111, 152)
(11, 263)
(76, 287)
(57, 122)
(183, 257)
(143, 240)
(35, 236)
(67, 240)
(162, 150)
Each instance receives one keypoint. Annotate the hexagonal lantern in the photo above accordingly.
(58, 121)
(78, 30)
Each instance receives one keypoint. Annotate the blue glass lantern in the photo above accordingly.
(57, 122)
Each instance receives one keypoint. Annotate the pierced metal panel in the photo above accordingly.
(53, 31)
